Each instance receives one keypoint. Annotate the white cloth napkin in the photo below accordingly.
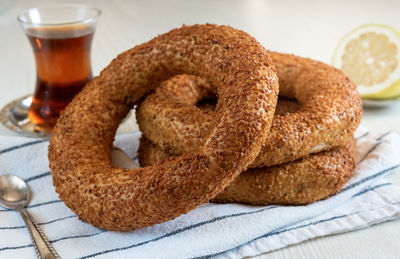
(211, 230)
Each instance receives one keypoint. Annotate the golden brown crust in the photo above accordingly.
(120, 199)
(330, 111)
(303, 181)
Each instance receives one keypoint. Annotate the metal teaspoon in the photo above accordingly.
(15, 194)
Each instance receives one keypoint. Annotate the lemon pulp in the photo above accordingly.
(370, 56)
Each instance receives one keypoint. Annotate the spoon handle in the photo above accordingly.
(43, 247)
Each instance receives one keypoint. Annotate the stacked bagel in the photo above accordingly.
(294, 157)
(309, 154)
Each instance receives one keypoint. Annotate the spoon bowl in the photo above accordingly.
(14, 192)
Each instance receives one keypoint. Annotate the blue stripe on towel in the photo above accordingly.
(9, 149)
(363, 135)
(37, 176)
(35, 205)
(42, 223)
(370, 189)
(384, 135)
(53, 241)
(79, 236)
(351, 186)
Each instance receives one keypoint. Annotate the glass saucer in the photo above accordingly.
(370, 103)
(14, 116)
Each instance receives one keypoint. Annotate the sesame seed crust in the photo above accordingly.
(330, 111)
(120, 199)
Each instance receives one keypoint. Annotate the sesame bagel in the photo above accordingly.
(299, 182)
(241, 73)
(329, 112)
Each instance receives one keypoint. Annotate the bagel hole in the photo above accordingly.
(286, 105)
(207, 104)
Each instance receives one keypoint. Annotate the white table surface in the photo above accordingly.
(306, 28)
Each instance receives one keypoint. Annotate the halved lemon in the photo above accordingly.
(370, 56)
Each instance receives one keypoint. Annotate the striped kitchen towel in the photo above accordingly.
(211, 230)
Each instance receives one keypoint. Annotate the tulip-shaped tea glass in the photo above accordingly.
(61, 38)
